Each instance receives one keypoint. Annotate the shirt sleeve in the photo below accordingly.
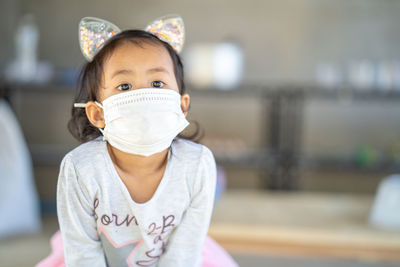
(82, 246)
(184, 247)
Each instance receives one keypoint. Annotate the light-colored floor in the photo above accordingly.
(300, 224)
(27, 250)
(270, 229)
(246, 260)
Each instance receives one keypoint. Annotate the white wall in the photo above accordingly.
(282, 40)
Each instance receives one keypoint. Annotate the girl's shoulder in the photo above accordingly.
(189, 150)
(198, 164)
(87, 152)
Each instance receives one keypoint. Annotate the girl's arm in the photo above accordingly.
(81, 243)
(185, 244)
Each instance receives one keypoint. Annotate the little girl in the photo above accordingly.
(134, 194)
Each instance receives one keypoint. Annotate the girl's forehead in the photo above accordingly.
(138, 57)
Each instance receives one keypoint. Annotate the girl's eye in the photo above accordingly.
(124, 86)
(157, 84)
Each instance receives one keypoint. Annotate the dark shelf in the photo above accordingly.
(337, 165)
(258, 160)
(283, 158)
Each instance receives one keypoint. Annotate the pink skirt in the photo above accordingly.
(213, 254)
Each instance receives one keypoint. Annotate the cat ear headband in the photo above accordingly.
(94, 32)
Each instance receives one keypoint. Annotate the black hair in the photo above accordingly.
(90, 80)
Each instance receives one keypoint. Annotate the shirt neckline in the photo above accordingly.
(123, 187)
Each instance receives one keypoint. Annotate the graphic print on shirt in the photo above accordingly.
(160, 234)
(118, 254)
(122, 254)
(106, 219)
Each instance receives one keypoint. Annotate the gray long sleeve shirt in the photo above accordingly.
(102, 226)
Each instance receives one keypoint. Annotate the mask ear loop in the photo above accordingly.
(101, 130)
(83, 105)
(99, 104)
(79, 105)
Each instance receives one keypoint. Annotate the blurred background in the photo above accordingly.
(298, 100)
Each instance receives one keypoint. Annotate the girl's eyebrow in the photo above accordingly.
(158, 69)
(119, 72)
(152, 70)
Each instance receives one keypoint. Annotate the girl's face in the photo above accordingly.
(132, 67)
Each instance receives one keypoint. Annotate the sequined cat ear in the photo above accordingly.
(93, 33)
(170, 29)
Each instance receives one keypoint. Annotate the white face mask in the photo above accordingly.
(143, 121)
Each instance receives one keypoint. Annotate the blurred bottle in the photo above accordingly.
(328, 75)
(214, 65)
(198, 62)
(361, 74)
(26, 40)
(396, 75)
(227, 65)
(25, 67)
(385, 76)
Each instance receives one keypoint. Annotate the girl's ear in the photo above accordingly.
(185, 102)
(95, 114)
